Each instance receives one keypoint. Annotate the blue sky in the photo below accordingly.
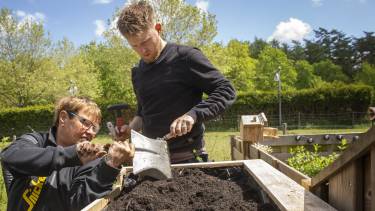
(82, 21)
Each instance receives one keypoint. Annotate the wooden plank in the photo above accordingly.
(294, 174)
(268, 158)
(97, 205)
(290, 140)
(254, 152)
(236, 155)
(373, 177)
(367, 183)
(284, 192)
(345, 188)
(354, 151)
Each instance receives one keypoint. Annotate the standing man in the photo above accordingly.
(169, 83)
(61, 169)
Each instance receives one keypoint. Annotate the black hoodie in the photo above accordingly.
(50, 177)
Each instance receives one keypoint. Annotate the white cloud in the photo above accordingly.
(29, 17)
(100, 27)
(202, 5)
(317, 3)
(293, 29)
(102, 1)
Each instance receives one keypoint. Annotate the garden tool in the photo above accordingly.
(117, 110)
(151, 156)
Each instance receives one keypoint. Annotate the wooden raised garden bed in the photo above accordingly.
(276, 188)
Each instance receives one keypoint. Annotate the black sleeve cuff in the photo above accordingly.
(106, 174)
(71, 156)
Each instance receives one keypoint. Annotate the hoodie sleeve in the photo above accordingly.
(207, 78)
(87, 183)
(26, 156)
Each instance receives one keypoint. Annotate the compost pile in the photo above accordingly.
(192, 189)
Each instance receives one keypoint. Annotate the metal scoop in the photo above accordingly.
(151, 156)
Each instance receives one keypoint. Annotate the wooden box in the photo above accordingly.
(251, 128)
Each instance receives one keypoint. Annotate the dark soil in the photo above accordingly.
(192, 189)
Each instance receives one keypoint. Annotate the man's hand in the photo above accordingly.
(88, 151)
(181, 125)
(119, 153)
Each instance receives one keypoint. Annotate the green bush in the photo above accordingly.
(17, 121)
(307, 162)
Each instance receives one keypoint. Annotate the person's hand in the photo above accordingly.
(119, 153)
(88, 151)
(182, 125)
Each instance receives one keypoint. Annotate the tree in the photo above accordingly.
(257, 47)
(305, 75)
(26, 70)
(297, 51)
(366, 75)
(333, 45)
(270, 60)
(330, 72)
(113, 63)
(183, 23)
(365, 48)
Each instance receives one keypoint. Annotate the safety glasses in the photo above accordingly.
(85, 122)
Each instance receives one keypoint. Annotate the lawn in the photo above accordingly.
(217, 144)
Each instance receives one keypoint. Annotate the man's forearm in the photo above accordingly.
(136, 123)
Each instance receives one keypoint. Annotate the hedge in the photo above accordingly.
(351, 98)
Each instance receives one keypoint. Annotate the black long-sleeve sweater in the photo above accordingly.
(174, 85)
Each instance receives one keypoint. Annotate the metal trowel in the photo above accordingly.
(151, 156)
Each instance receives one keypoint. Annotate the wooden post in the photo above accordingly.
(373, 177)
(251, 129)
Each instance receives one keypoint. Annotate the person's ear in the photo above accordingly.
(158, 27)
(63, 117)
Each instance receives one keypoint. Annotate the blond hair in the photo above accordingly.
(135, 18)
(77, 104)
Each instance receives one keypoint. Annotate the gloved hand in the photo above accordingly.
(119, 153)
(88, 151)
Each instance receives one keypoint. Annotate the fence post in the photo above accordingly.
(284, 126)
(352, 119)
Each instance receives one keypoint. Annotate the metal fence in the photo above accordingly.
(297, 121)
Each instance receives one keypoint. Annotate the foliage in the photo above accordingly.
(26, 71)
(329, 72)
(365, 48)
(309, 163)
(185, 24)
(114, 72)
(270, 60)
(234, 62)
(305, 76)
(265, 148)
(366, 75)
(33, 72)
(328, 99)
